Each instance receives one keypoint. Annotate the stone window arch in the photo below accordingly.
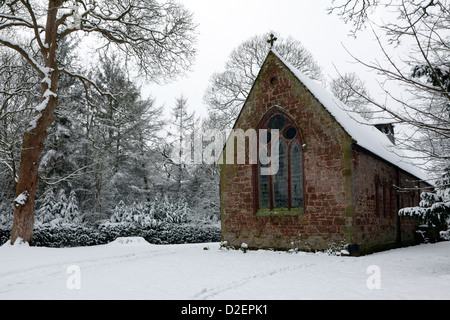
(283, 191)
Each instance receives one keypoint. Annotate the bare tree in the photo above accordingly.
(418, 84)
(349, 88)
(228, 90)
(16, 87)
(355, 11)
(156, 37)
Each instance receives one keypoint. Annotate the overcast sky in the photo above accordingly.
(225, 24)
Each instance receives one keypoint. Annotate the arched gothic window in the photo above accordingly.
(283, 190)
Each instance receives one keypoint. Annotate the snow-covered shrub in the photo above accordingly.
(188, 233)
(151, 214)
(433, 210)
(337, 249)
(224, 246)
(136, 214)
(4, 236)
(434, 207)
(65, 236)
(445, 235)
(163, 209)
(71, 235)
(162, 221)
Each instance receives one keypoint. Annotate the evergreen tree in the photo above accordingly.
(122, 131)
(47, 207)
(434, 209)
(61, 205)
(181, 132)
(71, 212)
(203, 194)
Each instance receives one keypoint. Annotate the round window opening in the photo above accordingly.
(277, 122)
(290, 133)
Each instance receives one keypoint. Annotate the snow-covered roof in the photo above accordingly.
(359, 129)
(382, 118)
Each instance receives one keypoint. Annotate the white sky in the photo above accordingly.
(225, 24)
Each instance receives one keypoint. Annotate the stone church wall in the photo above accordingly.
(378, 192)
(345, 187)
(326, 173)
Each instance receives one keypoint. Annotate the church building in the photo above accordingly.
(339, 180)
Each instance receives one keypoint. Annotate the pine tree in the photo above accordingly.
(71, 213)
(122, 131)
(182, 131)
(47, 207)
(61, 206)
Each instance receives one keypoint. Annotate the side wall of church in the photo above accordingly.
(378, 193)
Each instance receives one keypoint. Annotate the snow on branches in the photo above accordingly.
(434, 208)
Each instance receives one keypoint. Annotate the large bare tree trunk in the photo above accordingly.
(157, 38)
(34, 138)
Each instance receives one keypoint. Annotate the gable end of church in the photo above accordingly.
(329, 190)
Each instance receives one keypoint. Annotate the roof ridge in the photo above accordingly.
(362, 131)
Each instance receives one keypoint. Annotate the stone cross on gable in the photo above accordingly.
(272, 40)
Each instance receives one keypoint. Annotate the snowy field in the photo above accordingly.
(138, 270)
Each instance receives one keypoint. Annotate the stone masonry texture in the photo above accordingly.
(349, 193)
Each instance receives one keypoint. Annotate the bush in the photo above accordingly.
(159, 222)
(4, 236)
(445, 235)
(66, 235)
(69, 235)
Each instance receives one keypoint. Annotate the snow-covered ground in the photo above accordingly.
(138, 270)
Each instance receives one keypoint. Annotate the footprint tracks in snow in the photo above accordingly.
(206, 293)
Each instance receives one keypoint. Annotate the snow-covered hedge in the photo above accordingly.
(162, 221)
(71, 235)
(4, 236)
(445, 235)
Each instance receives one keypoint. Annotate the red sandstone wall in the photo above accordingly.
(326, 174)
(377, 199)
(340, 181)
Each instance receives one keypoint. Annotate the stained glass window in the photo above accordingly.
(296, 176)
(290, 133)
(264, 189)
(284, 189)
(280, 180)
(277, 122)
